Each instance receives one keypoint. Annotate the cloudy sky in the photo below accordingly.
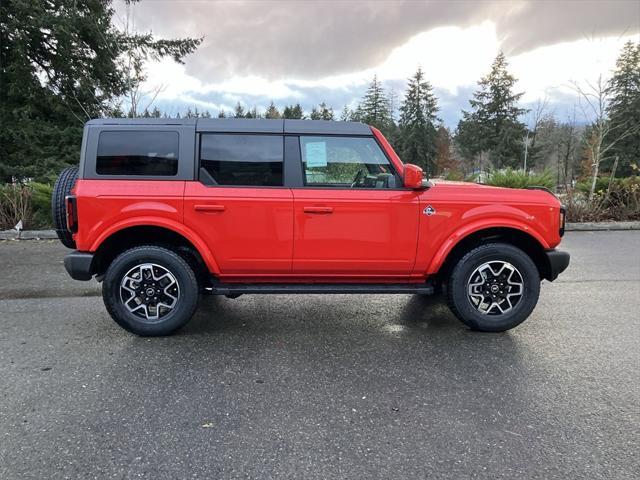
(308, 52)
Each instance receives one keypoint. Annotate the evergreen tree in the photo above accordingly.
(239, 111)
(493, 126)
(322, 112)
(315, 114)
(272, 112)
(346, 114)
(624, 112)
(326, 113)
(374, 108)
(252, 113)
(222, 113)
(61, 65)
(418, 114)
(293, 112)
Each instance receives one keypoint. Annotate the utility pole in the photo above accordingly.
(526, 151)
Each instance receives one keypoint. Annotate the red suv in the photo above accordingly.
(160, 211)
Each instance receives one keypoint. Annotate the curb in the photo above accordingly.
(28, 235)
(569, 227)
(601, 226)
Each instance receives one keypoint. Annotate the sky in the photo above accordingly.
(308, 52)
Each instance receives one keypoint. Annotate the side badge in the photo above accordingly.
(429, 210)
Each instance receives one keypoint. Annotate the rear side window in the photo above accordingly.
(246, 160)
(136, 153)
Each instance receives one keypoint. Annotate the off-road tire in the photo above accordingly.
(64, 183)
(457, 287)
(169, 260)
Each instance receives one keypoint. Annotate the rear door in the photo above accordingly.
(352, 215)
(239, 204)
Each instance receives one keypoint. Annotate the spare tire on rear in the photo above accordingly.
(65, 182)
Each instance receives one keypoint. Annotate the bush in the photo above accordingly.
(510, 178)
(29, 203)
(620, 201)
(15, 205)
(41, 205)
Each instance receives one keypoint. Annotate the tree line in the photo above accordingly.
(63, 62)
(601, 135)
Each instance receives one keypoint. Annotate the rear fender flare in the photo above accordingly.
(174, 226)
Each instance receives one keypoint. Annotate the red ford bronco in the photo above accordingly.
(160, 211)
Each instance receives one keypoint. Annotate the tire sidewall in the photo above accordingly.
(184, 275)
(468, 265)
(62, 187)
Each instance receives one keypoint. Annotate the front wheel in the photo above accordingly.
(493, 288)
(150, 291)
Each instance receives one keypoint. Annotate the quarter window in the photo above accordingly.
(137, 153)
(247, 160)
(345, 162)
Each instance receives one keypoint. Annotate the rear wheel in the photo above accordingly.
(494, 287)
(150, 291)
(64, 183)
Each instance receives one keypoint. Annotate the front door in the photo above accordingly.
(240, 206)
(352, 216)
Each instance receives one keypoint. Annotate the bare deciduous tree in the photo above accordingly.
(593, 99)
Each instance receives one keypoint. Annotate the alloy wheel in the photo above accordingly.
(495, 288)
(149, 291)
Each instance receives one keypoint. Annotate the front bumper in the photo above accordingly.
(79, 265)
(557, 262)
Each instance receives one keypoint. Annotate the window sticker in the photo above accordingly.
(316, 154)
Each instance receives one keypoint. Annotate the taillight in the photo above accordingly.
(72, 214)
(563, 214)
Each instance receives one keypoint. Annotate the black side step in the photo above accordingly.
(286, 288)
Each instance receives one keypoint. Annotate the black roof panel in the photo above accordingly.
(248, 125)
(328, 127)
(142, 121)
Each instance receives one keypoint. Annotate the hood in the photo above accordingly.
(470, 190)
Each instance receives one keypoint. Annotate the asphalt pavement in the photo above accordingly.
(335, 386)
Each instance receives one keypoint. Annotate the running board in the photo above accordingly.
(287, 288)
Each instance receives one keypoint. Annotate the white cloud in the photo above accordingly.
(548, 71)
(453, 58)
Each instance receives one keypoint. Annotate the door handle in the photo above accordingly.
(209, 208)
(322, 210)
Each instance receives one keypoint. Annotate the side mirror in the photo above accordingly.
(413, 177)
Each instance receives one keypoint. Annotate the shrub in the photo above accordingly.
(29, 203)
(41, 205)
(15, 205)
(619, 200)
(510, 178)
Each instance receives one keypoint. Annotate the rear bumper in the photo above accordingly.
(558, 261)
(79, 265)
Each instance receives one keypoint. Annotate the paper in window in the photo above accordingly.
(316, 154)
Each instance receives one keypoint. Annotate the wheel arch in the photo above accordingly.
(190, 247)
(533, 245)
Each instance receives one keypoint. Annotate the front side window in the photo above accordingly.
(345, 162)
(141, 152)
(245, 160)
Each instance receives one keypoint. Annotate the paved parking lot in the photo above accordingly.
(339, 386)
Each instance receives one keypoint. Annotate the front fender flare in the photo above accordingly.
(470, 228)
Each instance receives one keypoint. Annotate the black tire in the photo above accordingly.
(462, 305)
(64, 183)
(135, 322)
